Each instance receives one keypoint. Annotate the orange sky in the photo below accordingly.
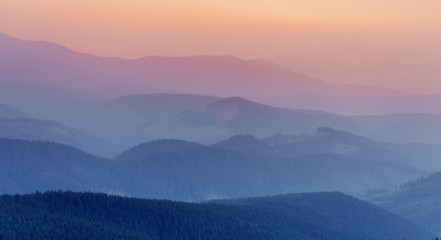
(249, 29)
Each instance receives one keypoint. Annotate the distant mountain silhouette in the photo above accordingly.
(241, 116)
(150, 149)
(357, 105)
(156, 104)
(323, 140)
(134, 119)
(36, 129)
(48, 67)
(363, 64)
(9, 112)
(56, 72)
(235, 115)
(328, 140)
(398, 127)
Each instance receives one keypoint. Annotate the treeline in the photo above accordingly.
(70, 215)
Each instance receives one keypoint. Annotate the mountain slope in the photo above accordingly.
(36, 129)
(136, 118)
(246, 144)
(9, 112)
(182, 170)
(235, 115)
(242, 166)
(302, 216)
(46, 64)
(417, 200)
(53, 72)
(30, 166)
(399, 127)
(360, 105)
(327, 140)
(246, 166)
(153, 148)
(157, 104)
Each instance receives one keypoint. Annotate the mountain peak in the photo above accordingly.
(233, 107)
(4, 36)
(243, 143)
(148, 149)
(235, 101)
(223, 57)
(329, 130)
(240, 139)
(341, 135)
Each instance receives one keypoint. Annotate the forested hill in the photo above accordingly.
(314, 216)
(418, 200)
(27, 166)
(187, 171)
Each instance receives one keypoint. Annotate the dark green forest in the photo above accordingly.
(314, 216)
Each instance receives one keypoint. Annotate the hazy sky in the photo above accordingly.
(248, 29)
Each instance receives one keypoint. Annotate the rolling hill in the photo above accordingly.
(242, 166)
(36, 129)
(246, 166)
(182, 170)
(417, 200)
(28, 166)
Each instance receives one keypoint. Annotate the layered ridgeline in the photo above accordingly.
(48, 72)
(138, 118)
(247, 166)
(15, 124)
(242, 166)
(62, 71)
(46, 130)
(106, 128)
(418, 200)
(314, 216)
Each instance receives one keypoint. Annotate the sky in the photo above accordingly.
(404, 32)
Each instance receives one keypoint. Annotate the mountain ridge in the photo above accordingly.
(417, 200)
(10, 112)
(182, 170)
(227, 75)
(38, 129)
